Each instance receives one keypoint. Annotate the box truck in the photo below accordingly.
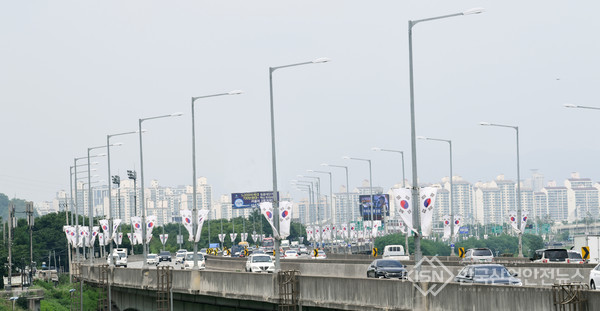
(591, 241)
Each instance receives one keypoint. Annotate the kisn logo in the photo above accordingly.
(428, 271)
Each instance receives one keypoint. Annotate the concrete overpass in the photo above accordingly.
(323, 285)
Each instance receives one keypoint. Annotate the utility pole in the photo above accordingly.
(30, 221)
(11, 214)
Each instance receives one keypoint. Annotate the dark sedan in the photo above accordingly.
(386, 268)
(164, 256)
(487, 274)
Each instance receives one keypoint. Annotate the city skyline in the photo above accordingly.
(81, 72)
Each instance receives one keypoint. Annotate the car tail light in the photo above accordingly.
(545, 261)
(568, 260)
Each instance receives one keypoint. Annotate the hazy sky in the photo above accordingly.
(72, 72)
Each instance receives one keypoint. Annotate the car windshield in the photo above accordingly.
(180, 255)
(191, 256)
(556, 254)
(261, 259)
(389, 263)
(165, 253)
(482, 252)
(151, 256)
(489, 272)
(574, 255)
(290, 252)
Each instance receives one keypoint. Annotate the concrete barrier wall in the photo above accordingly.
(335, 292)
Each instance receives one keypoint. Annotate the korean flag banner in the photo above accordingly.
(150, 223)
(512, 218)
(266, 208)
(317, 233)
(447, 224)
(104, 225)
(285, 218)
(457, 223)
(131, 238)
(352, 231)
(309, 235)
(137, 224)
(524, 215)
(116, 224)
(427, 196)
(345, 231)
(202, 215)
(186, 219)
(403, 203)
(120, 238)
(232, 236)
(95, 231)
(67, 230)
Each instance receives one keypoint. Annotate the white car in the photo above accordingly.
(595, 277)
(260, 263)
(189, 261)
(575, 257)
(290, 254)
(152, 259)
(179, 257)
(478, 255)
(119, 257)
(395, 252)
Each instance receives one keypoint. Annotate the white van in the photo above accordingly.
(119, 257)
(395, 252)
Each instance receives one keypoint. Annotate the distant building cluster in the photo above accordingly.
(483, 202)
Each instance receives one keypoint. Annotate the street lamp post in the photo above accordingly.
(451, 197)
(370, 187)
(110, 221)
(519, 211)
(194, 182)
(330, 209)
(403, 186)
(413, 140)
(142, 202)
(273, 153)
(90, 205)
(349, 206)
(318, 198)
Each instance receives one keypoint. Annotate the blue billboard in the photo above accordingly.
(382, 203)
(251, 199)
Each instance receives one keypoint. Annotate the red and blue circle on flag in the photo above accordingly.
(150, 224)
(269, 214)
(404, 204)
(512, 218)
(284, 214)
(427, 202)
(104, 227)
(446, 222)
(456, 222)
(137, 225)
(187, 220)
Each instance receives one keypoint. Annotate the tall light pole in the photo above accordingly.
(413, 140)
(581, 107)
(142, 201)
(90, 207)
(273, 153)
(194, 182)
(451, 191)
(370, 186)
(330, 193)
(318, 190)
(349, 206)
(110, 223)
(516, 128)
(403, 186)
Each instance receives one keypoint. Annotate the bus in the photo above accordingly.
(268, 243)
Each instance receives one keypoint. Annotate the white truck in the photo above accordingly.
(591, 241)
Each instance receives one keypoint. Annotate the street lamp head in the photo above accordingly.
(310, 171)
(235, 92)
(474, 11)
(421, 137)
(300, 176)
(176, 114)
(484, 123)
(570, 106)
(101, 155)
(143, 131)
(116, 144)
(324, 164)
(321, 60)
(346, 157)
(376, 149)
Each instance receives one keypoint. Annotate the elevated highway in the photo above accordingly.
(328, 284)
